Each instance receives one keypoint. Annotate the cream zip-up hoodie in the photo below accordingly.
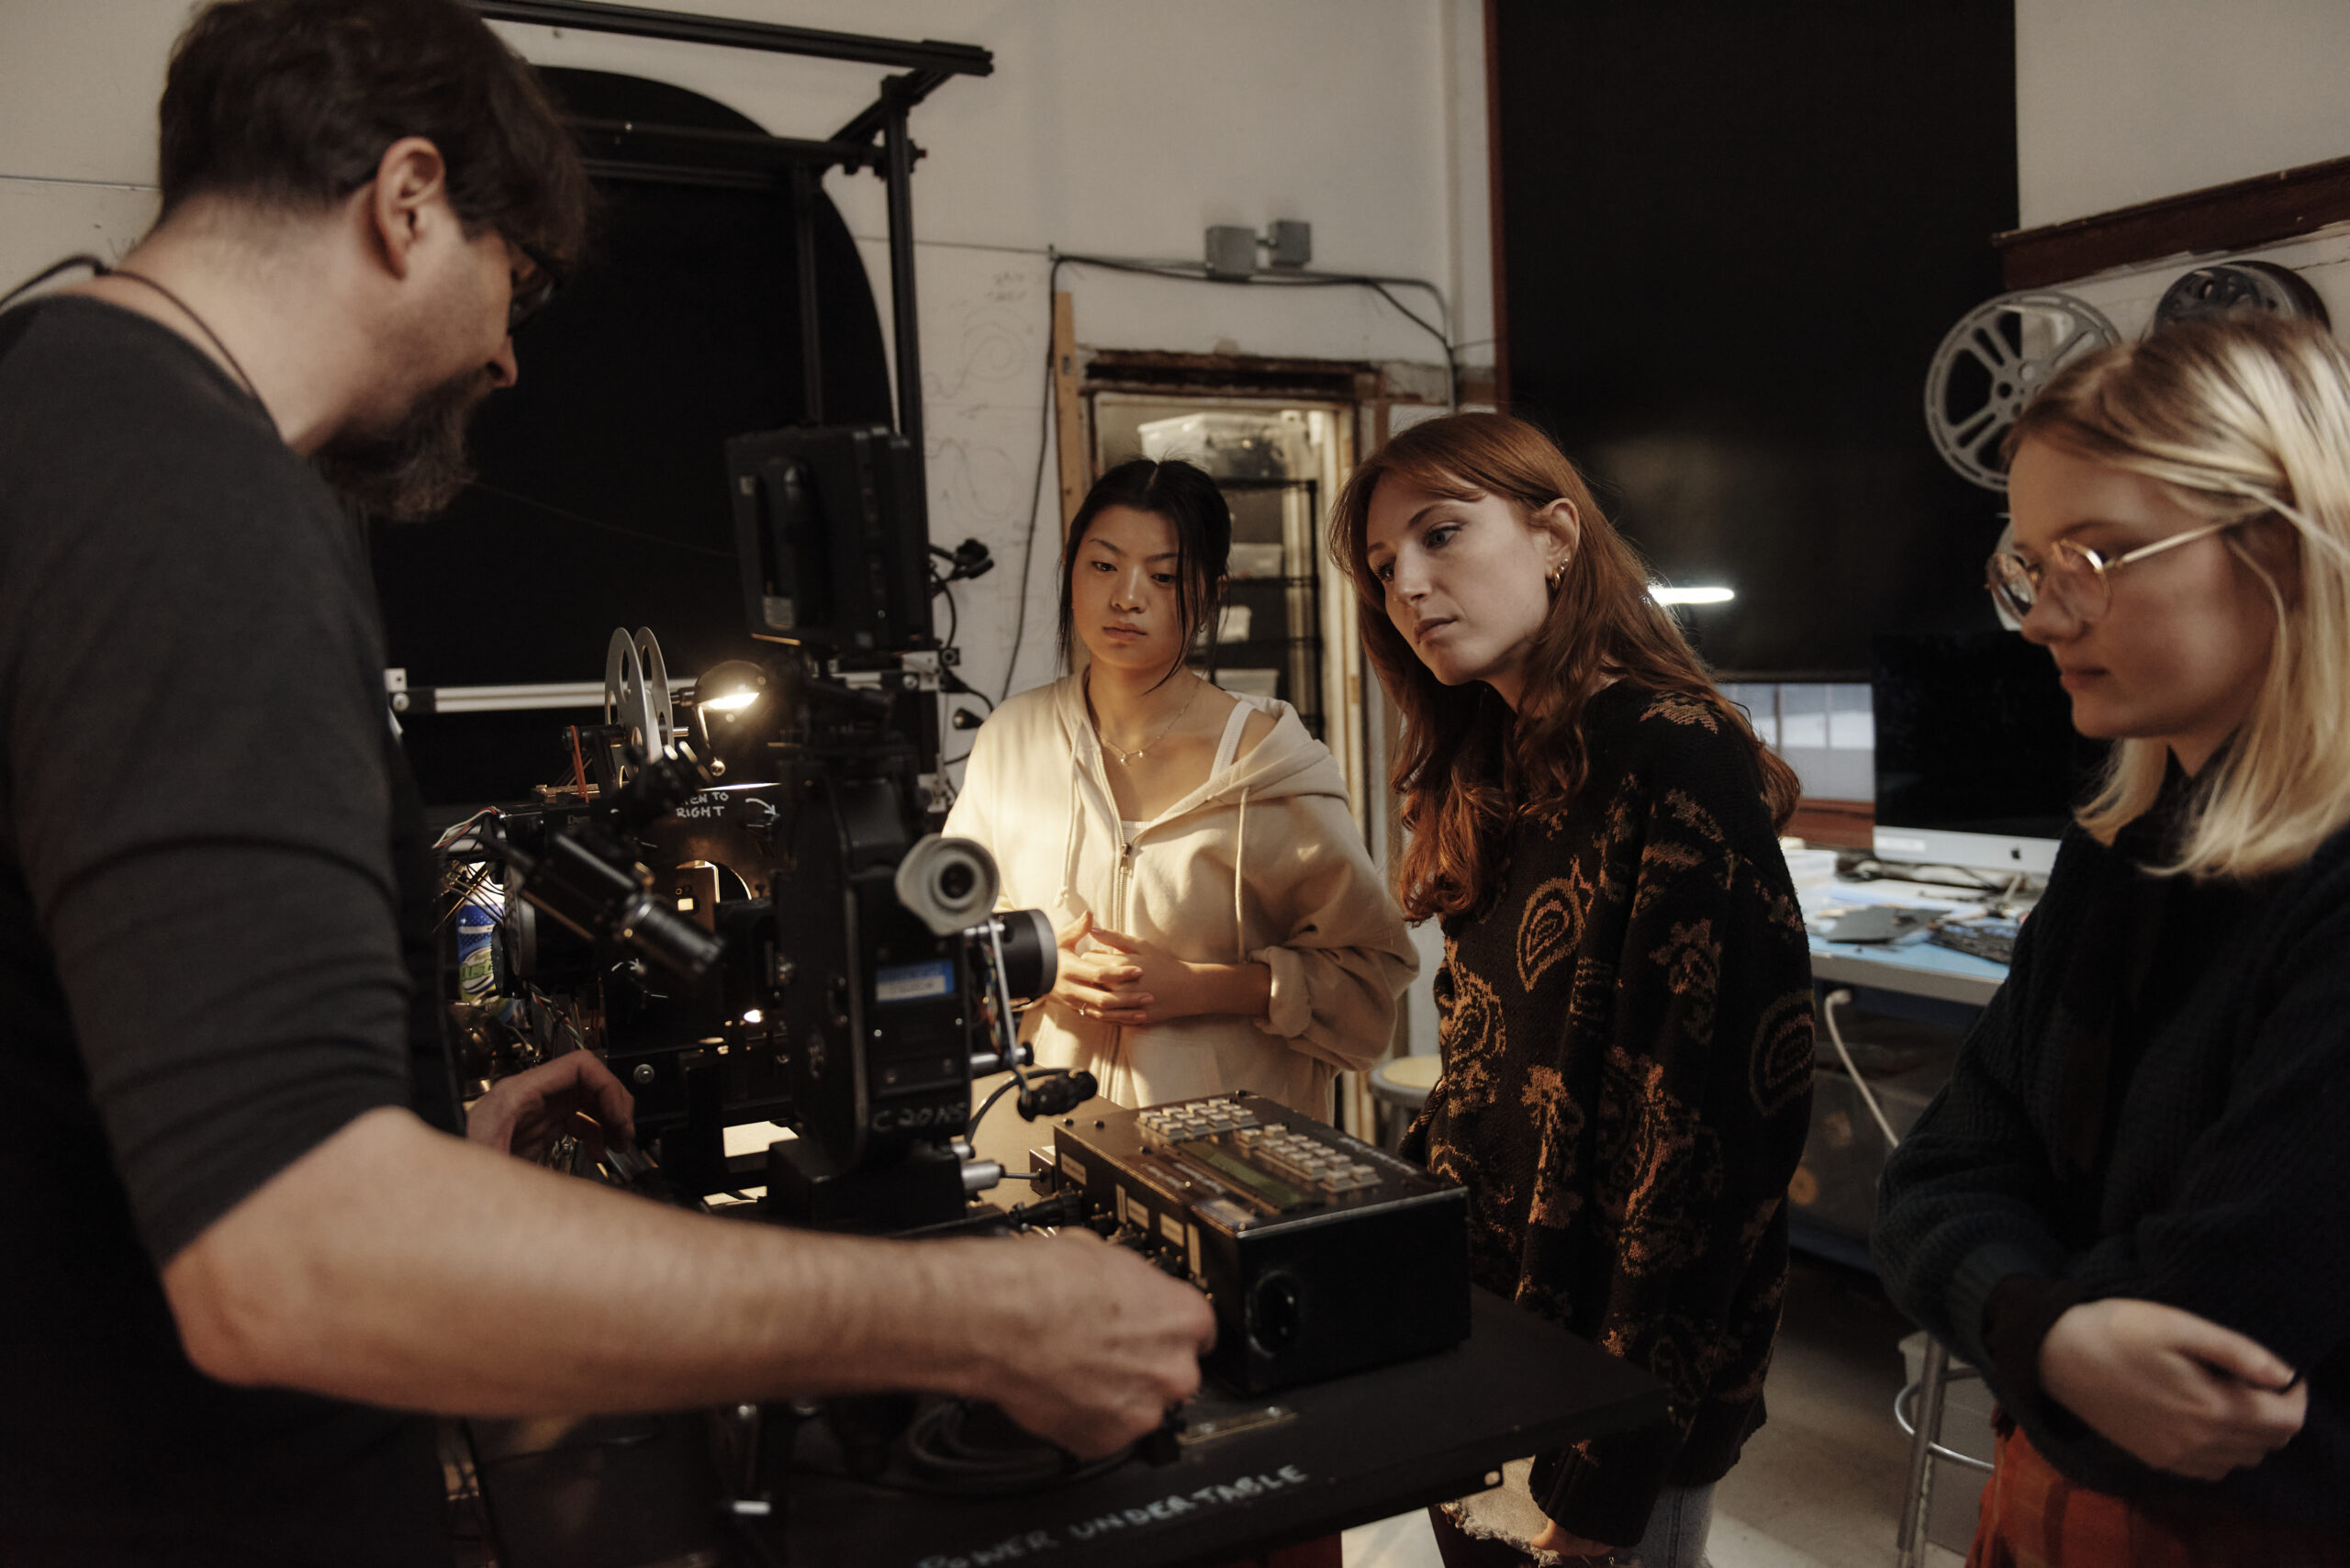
(1263, 863)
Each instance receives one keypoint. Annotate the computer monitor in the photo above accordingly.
(1978, 763)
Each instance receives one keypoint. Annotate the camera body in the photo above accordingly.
(791, 947)
(745, 910)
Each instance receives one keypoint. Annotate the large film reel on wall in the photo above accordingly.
(2219, 288)
(1993, 363)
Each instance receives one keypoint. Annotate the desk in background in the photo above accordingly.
(1918, 984)
(1908, 977)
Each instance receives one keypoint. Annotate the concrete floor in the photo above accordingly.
(1820, 1485)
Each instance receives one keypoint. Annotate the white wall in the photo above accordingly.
(1117, 127)
(2125, 101)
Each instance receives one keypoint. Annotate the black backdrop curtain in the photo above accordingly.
(602, 498)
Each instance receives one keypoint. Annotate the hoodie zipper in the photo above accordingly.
(1119, 888)
(1118, 885)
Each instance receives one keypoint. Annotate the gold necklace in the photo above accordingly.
(1126, 757)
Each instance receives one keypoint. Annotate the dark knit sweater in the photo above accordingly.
(2155, 1105)
(1627, 1030)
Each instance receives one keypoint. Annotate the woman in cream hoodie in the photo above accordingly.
(1221, 925)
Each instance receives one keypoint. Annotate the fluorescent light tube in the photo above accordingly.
(1663, 595)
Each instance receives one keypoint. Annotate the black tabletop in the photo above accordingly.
(1353, 1449)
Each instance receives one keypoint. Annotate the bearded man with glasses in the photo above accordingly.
(239, 1262)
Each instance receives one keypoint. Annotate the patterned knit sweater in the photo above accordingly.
(1627, 1033)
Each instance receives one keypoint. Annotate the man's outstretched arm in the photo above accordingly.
(398, 1266)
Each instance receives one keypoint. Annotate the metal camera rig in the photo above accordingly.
(735, 900)
(789, 948)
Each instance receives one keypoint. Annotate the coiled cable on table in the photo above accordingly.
(962, 1447)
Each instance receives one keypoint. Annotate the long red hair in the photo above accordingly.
(1467, 768)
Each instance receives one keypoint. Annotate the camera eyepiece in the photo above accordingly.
(950, 884)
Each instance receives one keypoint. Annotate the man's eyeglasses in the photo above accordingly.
(532, 290)
(2078, 577)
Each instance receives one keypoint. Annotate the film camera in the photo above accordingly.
(736, 899)
(740, 902)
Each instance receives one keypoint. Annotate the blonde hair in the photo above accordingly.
(2241, 417)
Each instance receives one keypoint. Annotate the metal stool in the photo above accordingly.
(1400, 1085)
(1925, 1446)
(1926, 1432)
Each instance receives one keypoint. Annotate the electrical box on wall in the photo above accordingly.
(1232, 251)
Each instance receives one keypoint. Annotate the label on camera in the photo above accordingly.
(912, 982)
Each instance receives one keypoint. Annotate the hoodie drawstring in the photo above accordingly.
(1069, 843)
(1240, 879)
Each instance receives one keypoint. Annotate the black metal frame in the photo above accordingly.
(877, 139)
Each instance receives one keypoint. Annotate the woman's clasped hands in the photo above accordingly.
(2176, 1391)
(1119, 978)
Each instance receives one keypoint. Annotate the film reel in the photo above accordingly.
(636, 690)
(1993, 363)
(2223, 286)
(663, 728)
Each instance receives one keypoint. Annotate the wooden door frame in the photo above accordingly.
(1080, 372)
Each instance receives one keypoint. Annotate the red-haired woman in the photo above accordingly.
(1625, 996)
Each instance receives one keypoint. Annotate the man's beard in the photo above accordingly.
(413, 469)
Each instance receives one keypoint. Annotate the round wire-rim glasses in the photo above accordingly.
(2079, 577)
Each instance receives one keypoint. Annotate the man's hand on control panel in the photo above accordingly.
(1112, 1344)
(575, 1094)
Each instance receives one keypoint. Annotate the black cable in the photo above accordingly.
(96, 267)
(1036, 486)
(569, 516)
(981, 1115)
(939, 585)
(1431, 328)
(1188, 272)
(967, 1448)
(1001, 1089)
(949, 682)
(1183, 273)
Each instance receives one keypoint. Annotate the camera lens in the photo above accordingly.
(956, 881)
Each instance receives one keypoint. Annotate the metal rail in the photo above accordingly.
(636, 21)
(878, 139)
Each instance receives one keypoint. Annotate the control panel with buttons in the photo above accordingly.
(1322, 1253)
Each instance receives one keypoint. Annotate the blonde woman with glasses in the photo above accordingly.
(2132, 1205)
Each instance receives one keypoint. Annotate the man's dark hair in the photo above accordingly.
(291, 103)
